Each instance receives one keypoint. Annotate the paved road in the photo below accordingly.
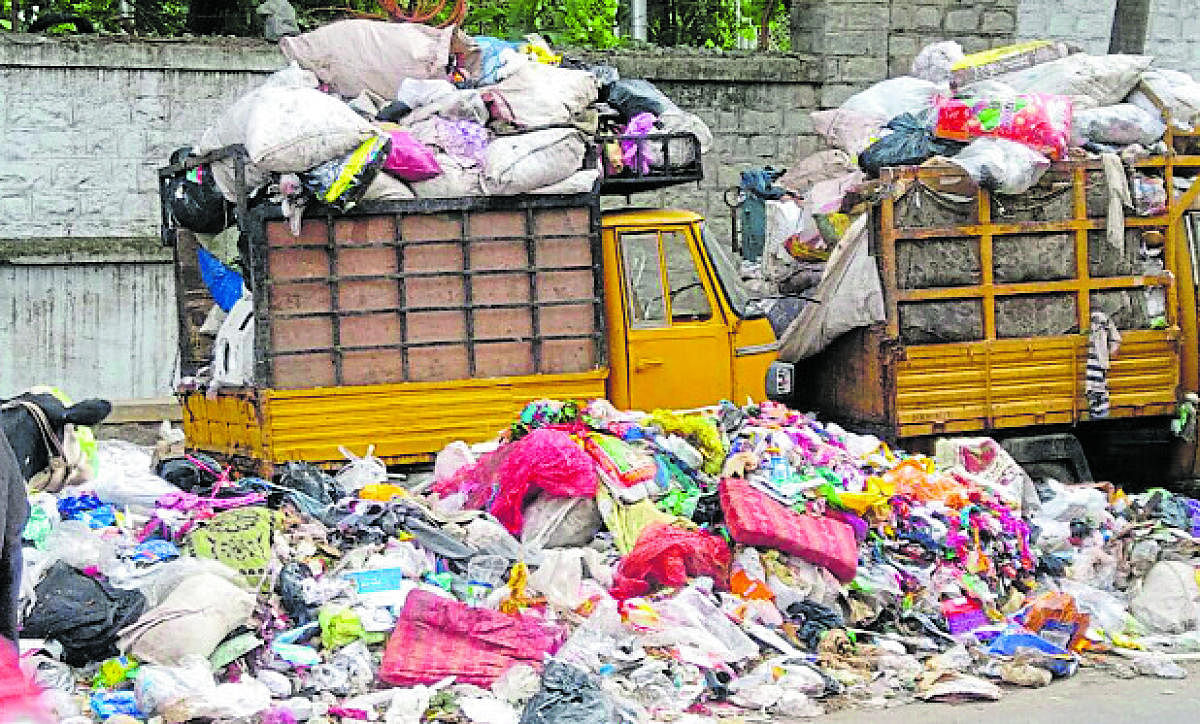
(1091, 697)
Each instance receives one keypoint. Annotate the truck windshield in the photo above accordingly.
(744, 305)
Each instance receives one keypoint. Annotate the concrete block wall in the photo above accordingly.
(1172, 33)
(84, 124)
(974, 24)
(757, 108)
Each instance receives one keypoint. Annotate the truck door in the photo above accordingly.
(677, 339)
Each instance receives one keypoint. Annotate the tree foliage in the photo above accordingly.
(600, 24)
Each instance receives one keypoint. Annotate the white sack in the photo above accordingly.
(850, 296)
(521, 163)
(894, 97)
(1090, 80)
(544, 95)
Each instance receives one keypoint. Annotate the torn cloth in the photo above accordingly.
(1119, 199)
(1103, 342)
(437, 637)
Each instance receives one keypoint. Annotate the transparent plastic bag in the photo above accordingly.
(1003, 166)
(1119, 125)
(124, 478)
(361, 471)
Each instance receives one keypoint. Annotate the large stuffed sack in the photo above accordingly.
(1090, 80)
(544, 95)
(285, 129)
(192, 621)
(849, 130)
(357, 55)
(456, 179)
(1168, 600)
(893, 97)
(1178, 92)
(524, 162)
(1119, 125)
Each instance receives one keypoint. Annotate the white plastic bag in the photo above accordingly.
(452, 458)
(1001, 165)
(233, 351)
(935, 60)
(1178, 91)
(1119, 125)
(785, 219)
(361, 471)
(894, 97)
(124, 477)
(1169, 600)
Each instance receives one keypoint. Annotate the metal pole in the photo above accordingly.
(637, 20)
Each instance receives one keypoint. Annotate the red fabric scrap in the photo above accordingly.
(756, 519)
(437, 637)
(667, 555)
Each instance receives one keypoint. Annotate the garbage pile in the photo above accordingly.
(999, 117)
(592, 565)
(373, 110)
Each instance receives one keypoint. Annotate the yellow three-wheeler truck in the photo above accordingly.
(410, 324)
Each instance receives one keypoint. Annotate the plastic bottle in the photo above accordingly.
(780, 470)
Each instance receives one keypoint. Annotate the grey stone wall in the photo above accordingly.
(85, 123)
(975, 24)
(1172, 33)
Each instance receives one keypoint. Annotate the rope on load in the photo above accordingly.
(423, 11)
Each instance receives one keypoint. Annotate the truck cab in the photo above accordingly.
(683, 330)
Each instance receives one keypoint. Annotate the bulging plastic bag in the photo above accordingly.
(361, 471)
(1119, 125)
(552, 522)
(895, 97)
(188, 691)
(342, 182)
(909, 144)
(1169, 600)
(935, 60)
(1003, 166)
(124, 477)
(1040, 121)
(409, 159)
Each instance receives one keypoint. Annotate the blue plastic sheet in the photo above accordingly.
(223, 283)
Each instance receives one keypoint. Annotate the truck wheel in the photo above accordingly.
(1041, 472)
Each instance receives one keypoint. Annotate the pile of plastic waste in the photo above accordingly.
(999, 119)
(590, 565)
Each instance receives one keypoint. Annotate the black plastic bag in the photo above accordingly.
(195, 201)
(342, 182)
(910, 143)
(569, 696)
(187, 475)
(311, 491)
(83, 614)
(634, 96)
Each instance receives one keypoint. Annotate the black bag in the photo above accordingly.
(910, 143)
(634, 96)
(83, 614)
(196, 202)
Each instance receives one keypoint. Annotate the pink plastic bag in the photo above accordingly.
(409, 159)
(1038, 120)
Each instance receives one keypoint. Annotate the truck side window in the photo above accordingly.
(689, 302)
(643, 279)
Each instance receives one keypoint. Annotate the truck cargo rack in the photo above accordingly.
(656, 163)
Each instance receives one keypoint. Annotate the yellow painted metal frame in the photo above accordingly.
(407, 423)
(997, 383)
